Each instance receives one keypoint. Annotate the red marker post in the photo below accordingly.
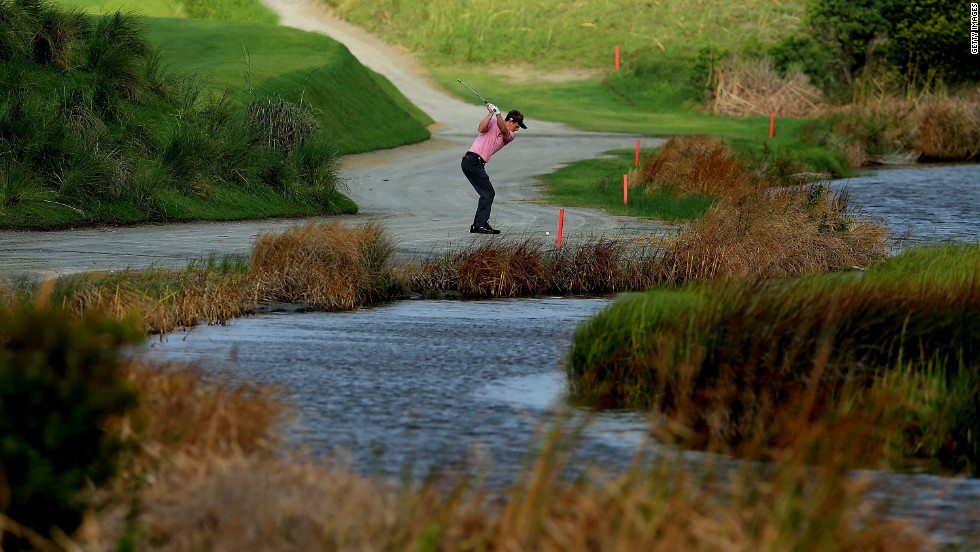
(617, 57)
(624, 189)
(636, 163)
(772, 122)
(561, 220)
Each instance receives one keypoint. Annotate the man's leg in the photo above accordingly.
(477, 175)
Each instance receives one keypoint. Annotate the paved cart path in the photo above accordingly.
(417, 191)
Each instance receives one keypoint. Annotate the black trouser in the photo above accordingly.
(475, 170)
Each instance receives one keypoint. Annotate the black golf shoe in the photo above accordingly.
(485, 229)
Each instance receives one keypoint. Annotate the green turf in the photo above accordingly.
(599, 183)
(358, 108)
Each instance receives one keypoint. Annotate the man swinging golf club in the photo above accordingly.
(496, 132)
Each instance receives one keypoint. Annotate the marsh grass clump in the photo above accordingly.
(887, 128)
(732, 359)
(948, 127)
(758, 227)
(692, 165)
(503, 268)
(326, 266)
(163, 299)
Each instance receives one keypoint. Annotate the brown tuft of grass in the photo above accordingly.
(326, 266)
(502, 268)
(163, 299)
(775, 233)
(948, 127)
(695, 165)
(182, 411)
(887, 128)
(757, 228)
(494, 269)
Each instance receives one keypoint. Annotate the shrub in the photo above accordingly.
(60, 381)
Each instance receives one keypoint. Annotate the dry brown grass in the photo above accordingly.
(756, 88)
(775, 233)
(948, 127)
(164, 299)
(696, 165)
(886, 128)
(326, 266)
(756, 229)
(212, 483)
(507, 268)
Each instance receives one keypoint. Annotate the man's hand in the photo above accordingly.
(493, 109)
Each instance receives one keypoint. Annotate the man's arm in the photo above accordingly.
(485, 123)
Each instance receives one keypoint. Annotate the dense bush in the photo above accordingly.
(60, 382)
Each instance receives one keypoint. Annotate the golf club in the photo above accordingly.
(473, 91)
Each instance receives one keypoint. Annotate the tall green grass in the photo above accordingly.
(730, 360)
(101, 126)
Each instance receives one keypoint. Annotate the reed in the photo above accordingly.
(948, 127)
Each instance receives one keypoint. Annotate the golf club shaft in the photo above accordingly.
(473, 91)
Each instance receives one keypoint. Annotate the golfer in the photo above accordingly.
(495, 132)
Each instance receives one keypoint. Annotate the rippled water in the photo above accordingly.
(429, 384)
(930, 203)
(417, 382)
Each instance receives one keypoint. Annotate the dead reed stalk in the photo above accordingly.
(756, 88)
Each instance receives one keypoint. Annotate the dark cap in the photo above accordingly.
(517, 117)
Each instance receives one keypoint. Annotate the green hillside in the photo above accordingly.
(124, 118)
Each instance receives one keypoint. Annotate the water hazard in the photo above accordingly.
(934, 203)
(421, 385)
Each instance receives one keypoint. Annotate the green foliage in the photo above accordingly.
(931, 42)
(848, 30)
(61, 381)
(801, 52)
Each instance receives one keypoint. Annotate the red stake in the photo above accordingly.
(617, 57)
(624, 189)
(636, 163)
(772, 122)
(561, 219)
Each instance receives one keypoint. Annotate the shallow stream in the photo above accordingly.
(421, 385)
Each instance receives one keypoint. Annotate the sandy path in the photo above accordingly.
(417, 191)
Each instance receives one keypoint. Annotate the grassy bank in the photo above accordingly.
(126, 119)
(732, 360)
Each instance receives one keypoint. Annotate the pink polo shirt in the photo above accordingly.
(491, 141)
